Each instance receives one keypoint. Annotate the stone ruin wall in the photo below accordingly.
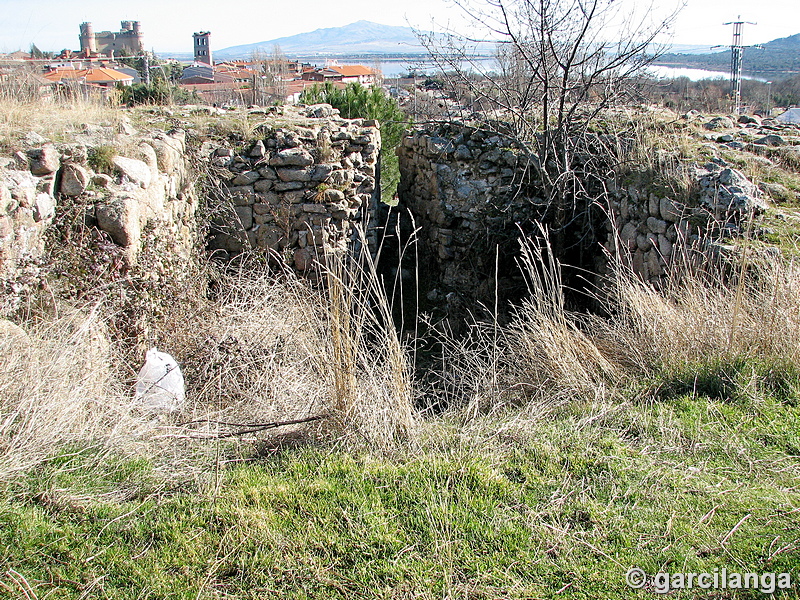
(309, 184)
(151, 185)
(467, 190)
(652, 233)
(472, 197)
(300, 190)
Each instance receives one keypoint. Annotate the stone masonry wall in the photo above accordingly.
(652, 232)
(473, 195)
(467, 191)
(148, 183)
(300, 189)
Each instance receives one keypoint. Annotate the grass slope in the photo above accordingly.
(515, 508)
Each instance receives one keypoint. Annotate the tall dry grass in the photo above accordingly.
(717, 321)
(259, 348)
(372, 380)
(276, 348)
(58, 387)
(20, 116)
(724, 312)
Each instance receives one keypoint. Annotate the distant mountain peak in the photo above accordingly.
(360, 37)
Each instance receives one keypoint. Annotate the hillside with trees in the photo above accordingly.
(778, 58)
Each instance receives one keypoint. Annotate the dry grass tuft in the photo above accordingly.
(61, 120)
(58, 387)
(726, 323)
(259, 349)
(708, 315)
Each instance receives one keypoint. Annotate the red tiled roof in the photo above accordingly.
(298, 85)
(206, 87)
(99, 75)
(352, 70)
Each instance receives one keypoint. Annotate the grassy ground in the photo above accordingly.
(512, 507)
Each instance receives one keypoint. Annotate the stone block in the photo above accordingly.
(74, 180)
(45, 207)
(656, 225)
(292, 157)
(136, 171)
(263, 185)
(294, 174)
(670, 210)
(287, 186)
(45, 160)
(119, 217)
(244, 216)
(246, 178)
(653, 206)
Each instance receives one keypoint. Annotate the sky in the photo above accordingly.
(168, 24)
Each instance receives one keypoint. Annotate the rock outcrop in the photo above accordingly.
(150, 187)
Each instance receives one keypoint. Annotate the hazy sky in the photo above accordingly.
(168, 24)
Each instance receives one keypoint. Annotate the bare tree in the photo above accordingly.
(270, 77)
(558, 65)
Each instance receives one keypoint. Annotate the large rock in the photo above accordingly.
(13, 339)
(74, 180)
(45, 160)
(271, 237)
(771, 140)
(169, 153)
(246, 178)
(718, 123)
(119, 217)
(293, 157)
(304, 259)
(136, 171)
(45, 207)
(295, 174)
(244, 217)
(670, 210)
(731, 177)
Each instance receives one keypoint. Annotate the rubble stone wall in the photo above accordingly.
(472, 195)
(299, 190)
(302, 186)
(467, 191)
(653, 232)
(150, 185)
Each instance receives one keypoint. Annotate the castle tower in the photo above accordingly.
(87, 39)
(138, 37)
(202, 49)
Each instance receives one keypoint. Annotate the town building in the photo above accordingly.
(101, 77)
(355, 74)
(321, 75)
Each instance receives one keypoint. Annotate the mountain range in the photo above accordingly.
(362, 37)
(780, 57)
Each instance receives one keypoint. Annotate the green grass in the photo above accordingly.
(101, 157)
(509, 508)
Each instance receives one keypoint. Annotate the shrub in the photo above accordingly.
(356, 101)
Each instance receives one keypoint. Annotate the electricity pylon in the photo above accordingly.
(737, 52)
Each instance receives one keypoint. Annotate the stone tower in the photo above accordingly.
(88, 43)
(202, 49)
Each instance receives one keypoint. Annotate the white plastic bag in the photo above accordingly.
(159, 385)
